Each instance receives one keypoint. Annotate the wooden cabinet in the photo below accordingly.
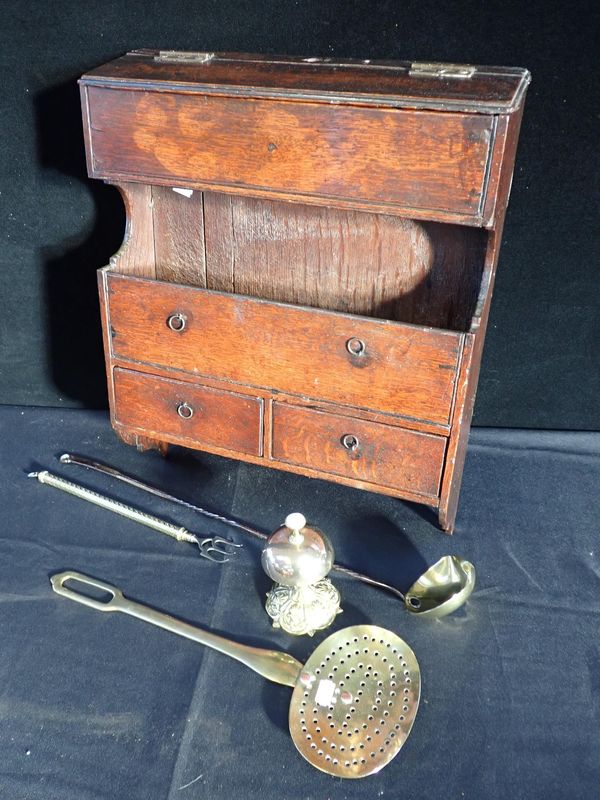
(309, 258)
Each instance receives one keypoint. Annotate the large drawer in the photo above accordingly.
(385, 366)
(187, 412)
(382, 158)
(366, 451)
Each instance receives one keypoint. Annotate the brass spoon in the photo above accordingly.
(439, 591)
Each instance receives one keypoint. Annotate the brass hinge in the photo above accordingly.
(183, 57)
(436, 70)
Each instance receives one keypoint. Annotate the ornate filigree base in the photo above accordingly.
(303, 610)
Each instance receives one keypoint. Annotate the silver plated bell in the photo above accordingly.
(298, 558)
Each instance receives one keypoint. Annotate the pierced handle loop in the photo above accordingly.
(114, 603)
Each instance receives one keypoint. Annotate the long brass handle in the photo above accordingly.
(150, 521)
(273, 665)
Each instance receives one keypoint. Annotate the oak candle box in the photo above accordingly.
(309, 258)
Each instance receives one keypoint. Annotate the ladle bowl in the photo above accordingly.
(442, 589)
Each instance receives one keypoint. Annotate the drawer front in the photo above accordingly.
(366, 451)
(375, 364)
(188, 412)
(315, 152)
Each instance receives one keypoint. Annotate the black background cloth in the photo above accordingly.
(540, 365)
(97, 706)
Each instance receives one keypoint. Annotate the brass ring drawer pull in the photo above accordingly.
(176, 322)
(350, 442)
(185, 411)
(356, 347)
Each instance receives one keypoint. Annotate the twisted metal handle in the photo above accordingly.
(150, 521)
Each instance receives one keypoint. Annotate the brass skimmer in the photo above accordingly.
(354, 700)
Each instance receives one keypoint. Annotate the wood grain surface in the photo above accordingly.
(136, 254)
(178, 236)
(381, 82)
(384, 455)
(223, 419)
(331, 272)
(351, 261)
(391, 158)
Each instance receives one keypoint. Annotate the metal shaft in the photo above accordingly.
(273, 665)
(157, 524)
(105, 469)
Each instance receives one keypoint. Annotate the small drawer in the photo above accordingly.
(188, 412)
(366, 451)
(338, 358)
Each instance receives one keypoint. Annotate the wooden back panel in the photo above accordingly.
(351, 261)
(374, 265)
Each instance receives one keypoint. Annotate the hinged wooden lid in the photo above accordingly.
(395, 84)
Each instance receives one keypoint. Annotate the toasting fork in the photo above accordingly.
(214, 548)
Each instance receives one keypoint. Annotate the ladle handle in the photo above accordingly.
(82, 461)
(366, 579)
(273, 665)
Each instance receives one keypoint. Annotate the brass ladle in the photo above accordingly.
(439, 591)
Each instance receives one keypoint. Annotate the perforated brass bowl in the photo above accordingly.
(355, 702)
